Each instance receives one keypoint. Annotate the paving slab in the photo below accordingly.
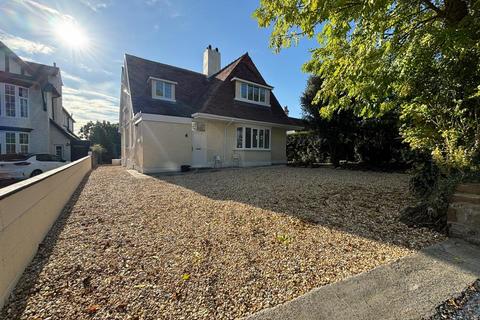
(409, 288)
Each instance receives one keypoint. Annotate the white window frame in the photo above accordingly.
(157, 81)
(24, 99)
(15, 94)
(19, 145)
(18, 101)
(244, 138)
(16, 140)
(254, 86)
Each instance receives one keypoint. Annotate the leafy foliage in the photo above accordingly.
(99, 152)
(105, 134)
(421, 56)
(345, 136)
(306, 148)
(338, 130)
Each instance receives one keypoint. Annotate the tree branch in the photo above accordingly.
(433, 7)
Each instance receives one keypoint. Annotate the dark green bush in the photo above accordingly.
(306, 149)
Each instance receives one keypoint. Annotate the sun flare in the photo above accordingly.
(72, 35)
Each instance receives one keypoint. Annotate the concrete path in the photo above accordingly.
(406, 289)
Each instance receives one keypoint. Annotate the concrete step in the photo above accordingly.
(473, 188)
(466, 197)
(409, 288)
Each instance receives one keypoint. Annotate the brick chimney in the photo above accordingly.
(211, 61)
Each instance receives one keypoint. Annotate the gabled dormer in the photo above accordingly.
(162, 89)
(251, 92)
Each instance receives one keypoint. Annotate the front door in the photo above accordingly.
(199, 149)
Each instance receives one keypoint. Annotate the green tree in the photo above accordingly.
(338, 129)
(104, 134)
(420, 56)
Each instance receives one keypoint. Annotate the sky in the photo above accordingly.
(88, 39)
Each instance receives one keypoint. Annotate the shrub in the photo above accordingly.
(99, 151)
(432, 186)
(306, 149)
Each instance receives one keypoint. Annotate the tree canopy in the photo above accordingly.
(104, 134)
(421, 57)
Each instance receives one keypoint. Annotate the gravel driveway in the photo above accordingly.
(214, 245)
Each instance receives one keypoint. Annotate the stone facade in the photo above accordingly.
(464, 213)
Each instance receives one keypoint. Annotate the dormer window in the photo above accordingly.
(163, 89)
(251, 92)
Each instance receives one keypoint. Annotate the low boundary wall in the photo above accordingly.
(28, 210)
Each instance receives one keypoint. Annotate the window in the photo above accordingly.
(23, 142)
(255, 138)
(9, 100)
(267, 139)
(260, 138)
(23, 95)
(59, 151)
(243, 93)
(10, 142)
(240, 137)
(253, 93)
(248, 138)
(163, 90)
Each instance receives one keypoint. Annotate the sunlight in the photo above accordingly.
(71, 35)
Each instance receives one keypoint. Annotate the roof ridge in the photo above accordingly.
(164, 64)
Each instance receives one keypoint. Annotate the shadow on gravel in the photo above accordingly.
(365, 204)
(15, 306)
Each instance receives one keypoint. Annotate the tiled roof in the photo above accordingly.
(197, 93)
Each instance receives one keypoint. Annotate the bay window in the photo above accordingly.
(253, 138)
(15, 101)
(15, 142)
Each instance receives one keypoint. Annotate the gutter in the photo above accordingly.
(261, 123)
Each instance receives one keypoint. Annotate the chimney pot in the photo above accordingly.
(285, 109)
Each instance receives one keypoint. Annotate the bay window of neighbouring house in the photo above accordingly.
(15, 142)
(14, 102)
(163, 89)
(255, 138)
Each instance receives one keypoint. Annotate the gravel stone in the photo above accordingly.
(466, 306)
(214, 245)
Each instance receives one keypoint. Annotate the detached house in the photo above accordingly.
(226, 116)
(32, 118)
